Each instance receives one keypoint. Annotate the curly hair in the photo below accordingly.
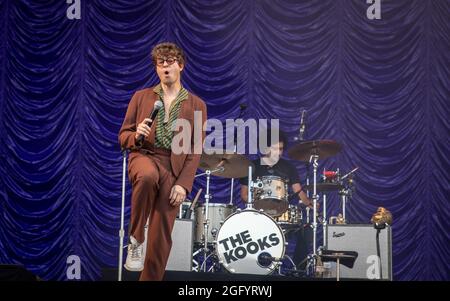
(168, 49)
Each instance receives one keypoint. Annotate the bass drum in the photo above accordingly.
(248, 241)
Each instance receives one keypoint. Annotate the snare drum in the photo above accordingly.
(217, 213)
(273, 197)
(248, 242)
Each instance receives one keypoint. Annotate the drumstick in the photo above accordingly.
(196, 198)
(188, 212)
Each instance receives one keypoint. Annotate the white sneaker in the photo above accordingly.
(135, 257)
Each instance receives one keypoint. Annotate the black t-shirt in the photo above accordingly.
(283, 169)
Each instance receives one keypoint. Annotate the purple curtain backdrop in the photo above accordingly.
(379, 87)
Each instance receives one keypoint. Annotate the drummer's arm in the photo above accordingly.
(244, 193)
(302, 195)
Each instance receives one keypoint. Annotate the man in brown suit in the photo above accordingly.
(160, 175)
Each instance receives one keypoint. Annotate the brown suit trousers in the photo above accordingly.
(152, 180)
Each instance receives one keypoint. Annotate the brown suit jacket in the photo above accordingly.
(184, 166)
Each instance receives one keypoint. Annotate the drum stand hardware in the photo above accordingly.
(211, 268)
(195, 263)
(346, 192)
(252, 185)
(200, 265)
(207, 198)
(294, 269)
(343, 194)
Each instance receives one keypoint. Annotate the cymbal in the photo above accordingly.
(234, 165)
(302, 151)
(324, 187)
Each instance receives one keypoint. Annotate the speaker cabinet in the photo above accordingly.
(180, 258)
(361, 238)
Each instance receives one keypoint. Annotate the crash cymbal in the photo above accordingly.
(324, 187)
(234, 165)
(323, 148)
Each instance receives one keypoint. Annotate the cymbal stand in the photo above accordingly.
(324, 221)
(314, 159)
(242, 109)
(312, 258)
(232, 181)
(307, 215)
(206, 222)
(308, 165)
(250, 189)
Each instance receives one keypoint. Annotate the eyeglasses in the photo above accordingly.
(170, 60)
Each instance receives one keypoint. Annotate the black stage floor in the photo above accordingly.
(112, 275)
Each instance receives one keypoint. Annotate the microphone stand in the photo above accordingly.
(122, 213)
(379, 227)
(300, 138)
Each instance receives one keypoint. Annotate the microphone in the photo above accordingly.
(158, 105)
(242, 106)
(302, 126)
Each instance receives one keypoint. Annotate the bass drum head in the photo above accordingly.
(244, 241)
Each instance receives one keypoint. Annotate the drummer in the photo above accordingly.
(265, 166)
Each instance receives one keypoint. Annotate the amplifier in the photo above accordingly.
(361, 238)
(180, 258)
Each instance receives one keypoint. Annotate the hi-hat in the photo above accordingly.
(302, 151)
(233, 165)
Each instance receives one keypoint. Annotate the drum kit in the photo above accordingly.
(252, 240)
